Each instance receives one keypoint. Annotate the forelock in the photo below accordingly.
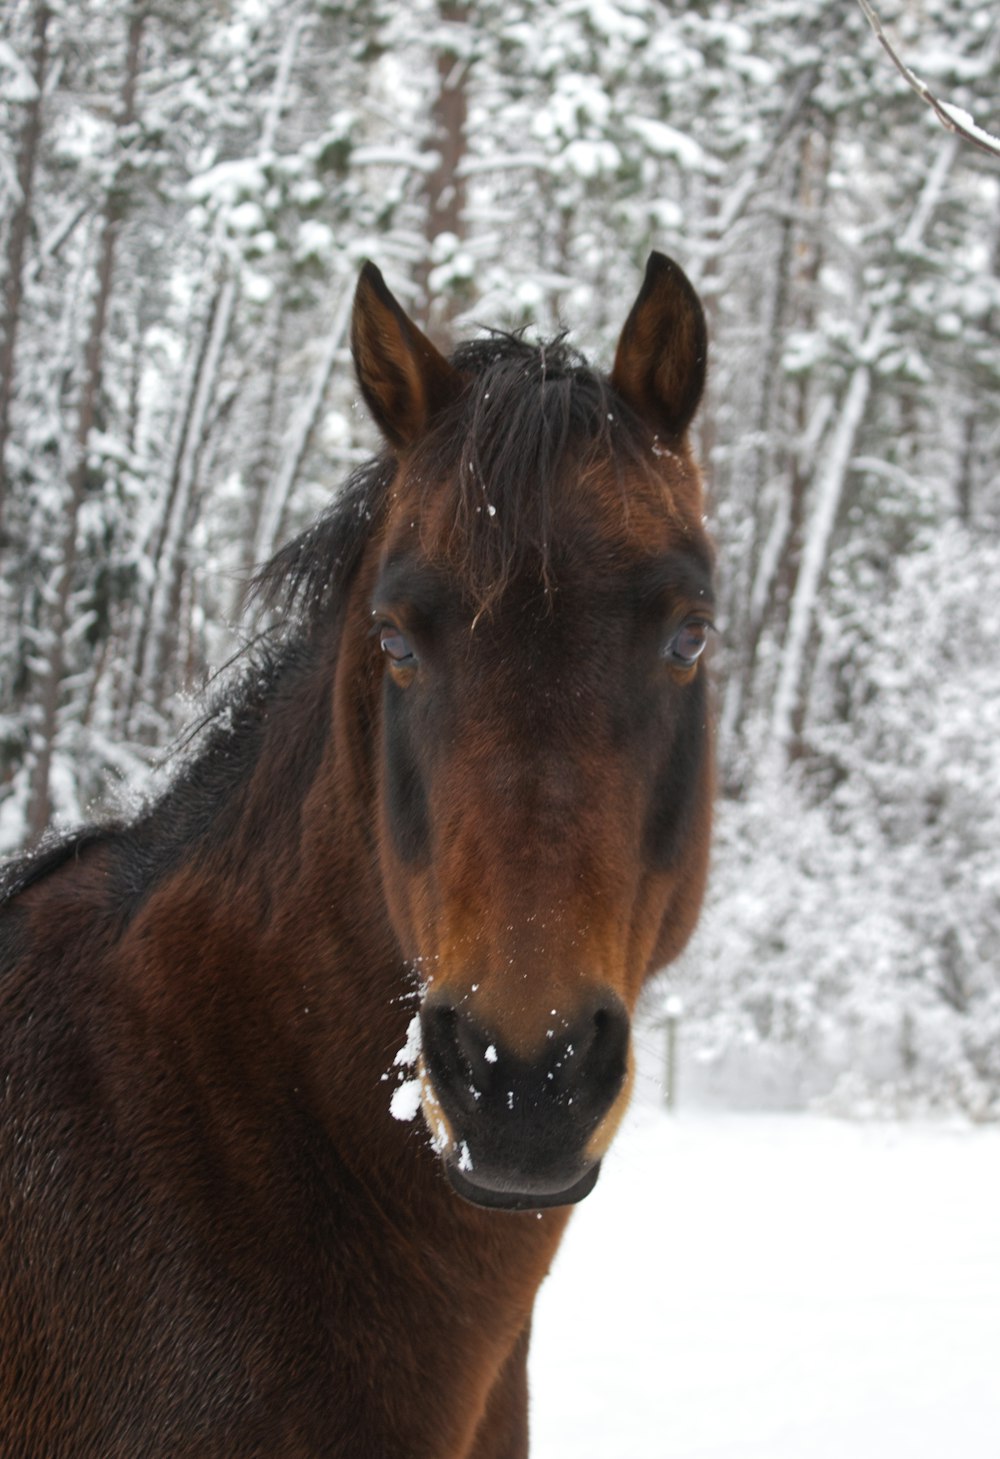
(534, 419)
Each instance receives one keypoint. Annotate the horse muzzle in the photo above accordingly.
(522, 1129)
(500, 1192)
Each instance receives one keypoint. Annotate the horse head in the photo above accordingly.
(540, 599)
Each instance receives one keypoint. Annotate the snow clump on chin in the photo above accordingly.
(406, 1097)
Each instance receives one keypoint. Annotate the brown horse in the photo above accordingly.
(462, 803)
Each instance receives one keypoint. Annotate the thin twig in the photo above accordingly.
(953, 118)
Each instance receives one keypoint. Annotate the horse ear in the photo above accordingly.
(660, 364)
(404, 379)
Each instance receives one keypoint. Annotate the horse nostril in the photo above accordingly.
(456, 1055)
(475, 1050)
(601, 1048)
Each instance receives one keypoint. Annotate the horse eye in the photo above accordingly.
(396, 645)
(688, 643)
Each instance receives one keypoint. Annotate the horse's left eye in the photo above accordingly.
(396, 645)
(688, 643)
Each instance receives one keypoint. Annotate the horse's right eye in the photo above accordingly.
(688, 643)
(397, 646)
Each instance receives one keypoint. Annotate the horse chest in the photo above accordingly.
(157, 1303)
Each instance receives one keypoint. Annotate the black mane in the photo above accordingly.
(534, 413)
(211, 766)
(310, 576)
(21, 872)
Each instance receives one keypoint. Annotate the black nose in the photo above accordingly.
(556, 1096)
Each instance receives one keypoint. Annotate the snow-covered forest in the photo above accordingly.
(186, 193)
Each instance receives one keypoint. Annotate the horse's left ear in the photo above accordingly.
(404, 379)
(660, 364)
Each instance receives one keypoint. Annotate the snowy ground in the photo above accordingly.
(776, 1287)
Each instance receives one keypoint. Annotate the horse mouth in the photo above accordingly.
(508, 1194)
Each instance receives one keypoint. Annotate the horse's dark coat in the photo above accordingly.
(216, 1241)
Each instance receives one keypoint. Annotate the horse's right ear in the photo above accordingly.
(660, 364)
(404, 379)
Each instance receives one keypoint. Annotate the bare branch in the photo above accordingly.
(954, 118)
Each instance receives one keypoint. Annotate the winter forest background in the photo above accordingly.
(186, 192)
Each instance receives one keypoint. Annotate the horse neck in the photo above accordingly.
(272, 931)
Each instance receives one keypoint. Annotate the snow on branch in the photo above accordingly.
(953, 117)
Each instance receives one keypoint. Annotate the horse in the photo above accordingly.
(306, 1062)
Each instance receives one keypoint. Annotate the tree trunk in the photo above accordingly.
(444, 189)
(775, 566)
(766, 497)
(155, 640)
(17, 239)
(294, 449)
(264, 463)
(153, 552)
(972, 411)
(169, 564)
(787, 708)
(828, 491)
(39, 804)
